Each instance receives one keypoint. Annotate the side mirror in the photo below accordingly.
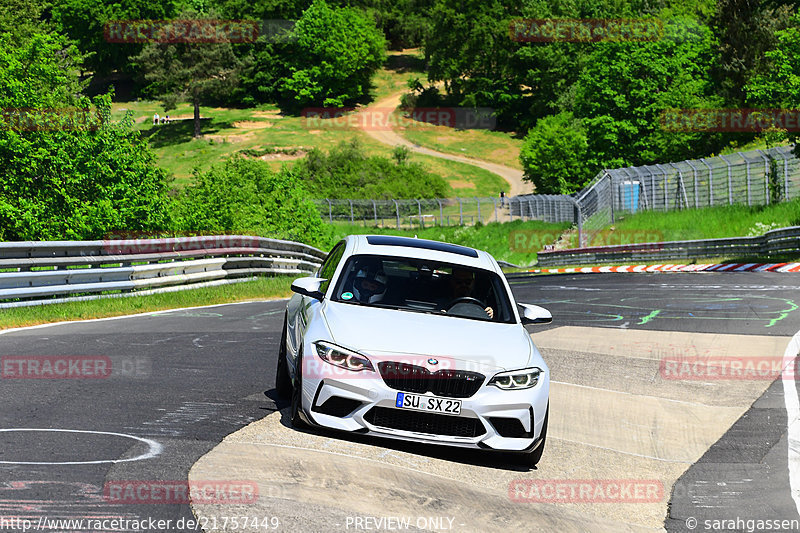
(533, 314)
(309, 287)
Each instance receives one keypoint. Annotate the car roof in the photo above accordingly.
(420, 248)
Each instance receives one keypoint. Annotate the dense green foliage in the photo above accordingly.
(347, 172)
(245, 196)
(554, 155)
(332, 55)
(65, 170)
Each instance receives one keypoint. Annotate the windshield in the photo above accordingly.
(424, 286)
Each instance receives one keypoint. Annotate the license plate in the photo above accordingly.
(428, 403)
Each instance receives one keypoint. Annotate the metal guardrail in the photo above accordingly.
(34, 273)
(778, 241)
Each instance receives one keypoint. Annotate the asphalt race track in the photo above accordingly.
(695, 452)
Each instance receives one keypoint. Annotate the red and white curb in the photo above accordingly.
(709, 267)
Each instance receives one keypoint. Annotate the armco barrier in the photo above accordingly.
(34, 273)
(778, 241)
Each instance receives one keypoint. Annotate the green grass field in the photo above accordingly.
(259, 289)
(709, 223)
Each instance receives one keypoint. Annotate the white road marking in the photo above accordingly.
(154, 448)
(793, 419)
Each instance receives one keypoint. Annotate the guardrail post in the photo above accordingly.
(730, 188)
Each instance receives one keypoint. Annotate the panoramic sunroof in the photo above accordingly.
(385, 240)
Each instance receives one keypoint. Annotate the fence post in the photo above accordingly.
(694, 173)
(681, 188)
(397, 212)
(710, 183)
(644, 188)
(766, 176)
(441, 212)
(479, 209)
(351, 211)
(666, 191)
(785, 176)
(375, 211)
(330, 210)
(419, 210)
(460, 212)
(730, 189)
(747, 166)
(579, 216)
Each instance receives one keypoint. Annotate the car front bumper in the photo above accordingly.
(492, 418)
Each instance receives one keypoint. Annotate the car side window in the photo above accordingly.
(329, 266)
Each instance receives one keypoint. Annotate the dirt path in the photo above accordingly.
(390, 137)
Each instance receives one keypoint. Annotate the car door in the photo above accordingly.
(300, 316)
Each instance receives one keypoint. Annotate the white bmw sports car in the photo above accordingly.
(416, 340)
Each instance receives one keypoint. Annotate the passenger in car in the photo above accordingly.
(462, 285)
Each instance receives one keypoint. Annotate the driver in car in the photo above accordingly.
(369, 286)
(462, 283)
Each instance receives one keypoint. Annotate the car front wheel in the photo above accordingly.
(297, 393)
(532, 458)
(283, 383)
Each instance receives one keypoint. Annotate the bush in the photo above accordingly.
(347, 172)
(67, 172)
(554, 155)
(245, 196)
(332, 57)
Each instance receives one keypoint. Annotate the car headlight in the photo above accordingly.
(342, 357)
(516, 379)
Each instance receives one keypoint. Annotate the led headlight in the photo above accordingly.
(516, 379)
(342, 357)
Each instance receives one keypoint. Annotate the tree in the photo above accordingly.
(331, 57)
(554, 155)
(745, 30)
(186, 70)
(780, 86)
(67, 171)
(84, 21)
(625, 88)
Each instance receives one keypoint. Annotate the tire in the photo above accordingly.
(532, 458)
(283, 383)
(297, 394)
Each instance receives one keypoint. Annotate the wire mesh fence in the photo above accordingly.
(756, 177)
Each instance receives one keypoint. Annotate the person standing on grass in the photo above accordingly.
(502, 198)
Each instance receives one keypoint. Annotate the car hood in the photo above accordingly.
(416, 337)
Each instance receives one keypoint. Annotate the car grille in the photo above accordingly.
(433, 424)
(418, 379)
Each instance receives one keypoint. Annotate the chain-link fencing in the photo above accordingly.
(756, 177)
